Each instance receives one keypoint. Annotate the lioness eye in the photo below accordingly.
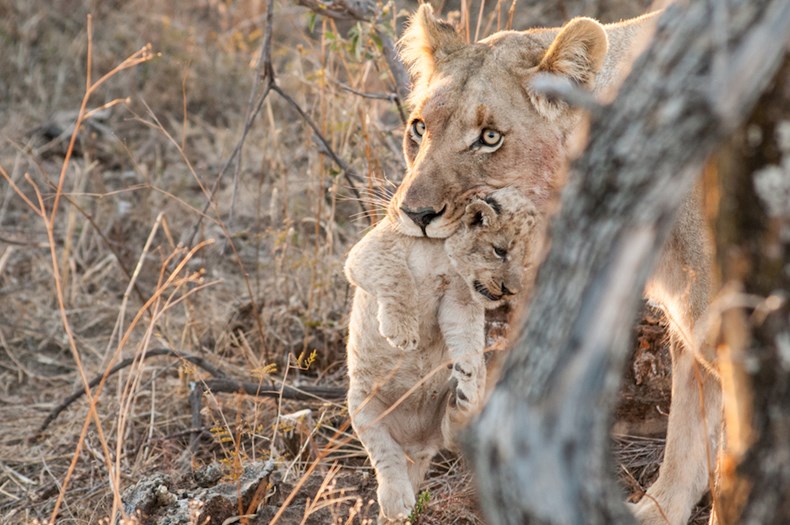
(500, 252)
(417, 130)
(490, 137)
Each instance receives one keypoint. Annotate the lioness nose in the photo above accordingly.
(423, 216)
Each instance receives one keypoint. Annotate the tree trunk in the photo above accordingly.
(753, 239)
(541, 447)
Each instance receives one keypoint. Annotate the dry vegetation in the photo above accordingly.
(145, 234)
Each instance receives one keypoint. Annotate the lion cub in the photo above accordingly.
(416, 335)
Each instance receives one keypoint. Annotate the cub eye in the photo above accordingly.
(489, 141)
(417, 130)
(500, 252)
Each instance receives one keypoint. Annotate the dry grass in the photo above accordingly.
(94, 267)
(253, 296)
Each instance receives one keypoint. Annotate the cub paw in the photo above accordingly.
(401, 331)
(465, 392)
(463, 400)
(396, 501)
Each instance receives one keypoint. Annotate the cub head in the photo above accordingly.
(476, 124)
(491, 247)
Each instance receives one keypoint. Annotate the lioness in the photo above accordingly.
(416, 335)
(477, 125)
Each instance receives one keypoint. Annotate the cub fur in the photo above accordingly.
(416, 335)
(477, 125)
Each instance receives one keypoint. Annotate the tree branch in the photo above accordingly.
(753, 247)
(548, 418)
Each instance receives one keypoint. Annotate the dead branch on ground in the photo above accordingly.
(220, 383)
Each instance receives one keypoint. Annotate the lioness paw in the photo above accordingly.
(648, 511)
(401, 331)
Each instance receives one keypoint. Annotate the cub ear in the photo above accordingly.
(576, 54)
(426, 41)
(479, 214)
(529, 216)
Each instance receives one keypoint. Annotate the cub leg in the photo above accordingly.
(691, 446)
(395, 492)
(462, 322)
(378, 265)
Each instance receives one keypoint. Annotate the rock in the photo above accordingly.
(158, 500)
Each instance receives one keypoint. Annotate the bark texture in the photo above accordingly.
(540, 447)
(753, 238)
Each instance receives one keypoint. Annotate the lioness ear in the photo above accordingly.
(479, 214)
(577, 54)
(426, 41)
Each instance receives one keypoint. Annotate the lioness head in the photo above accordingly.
(489, 250)
(476, 125)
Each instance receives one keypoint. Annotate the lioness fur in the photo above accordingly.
(416, 335)
(477, 125)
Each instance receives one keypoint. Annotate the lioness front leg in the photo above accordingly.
(692, 438)
(395, 492)
(377, 264)
(681, 283)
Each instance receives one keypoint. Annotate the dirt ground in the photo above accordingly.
(148, 235)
